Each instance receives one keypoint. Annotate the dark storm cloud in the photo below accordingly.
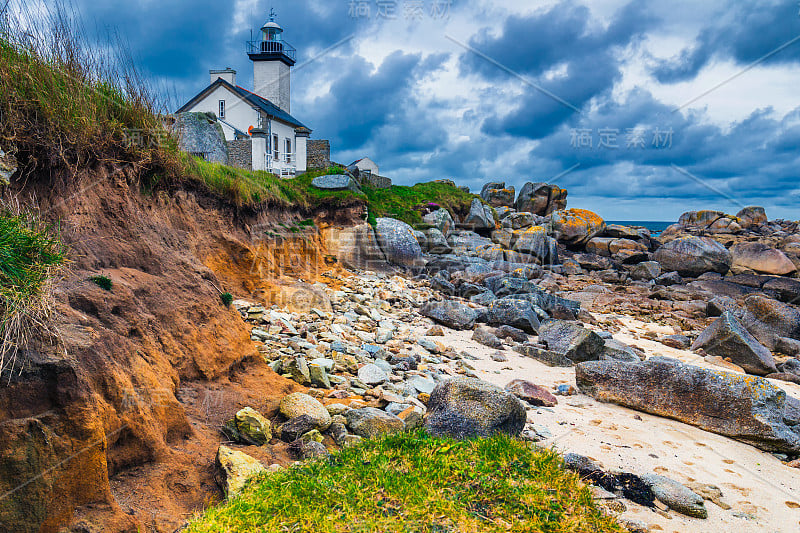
(744, 32)
(563, 37)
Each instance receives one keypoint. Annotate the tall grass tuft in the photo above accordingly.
(65, 105)
(30, 253)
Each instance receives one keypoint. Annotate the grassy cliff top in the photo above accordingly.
(413, 482)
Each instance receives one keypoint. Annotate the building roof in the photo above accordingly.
(256, 101)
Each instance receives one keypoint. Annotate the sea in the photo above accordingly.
(655, 227)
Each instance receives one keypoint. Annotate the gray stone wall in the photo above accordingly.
(200, 134)
(379, 182)
(318, 154)
(240, 153)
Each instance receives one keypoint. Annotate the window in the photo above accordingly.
(260, 121)
(222, 109)
(276, 154)
(288, 151)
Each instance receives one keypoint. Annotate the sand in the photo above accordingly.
(764, 494)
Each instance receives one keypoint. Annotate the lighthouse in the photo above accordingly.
(273, 59)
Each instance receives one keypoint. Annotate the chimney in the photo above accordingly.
(227, 74)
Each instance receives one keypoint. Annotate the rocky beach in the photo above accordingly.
(670, 360)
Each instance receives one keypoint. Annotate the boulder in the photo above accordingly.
(768, 320)
(742, 407)
(519, 220)
(676, 496)
(500, 197)
(618, 351)
(571, 339)
(454, 315)
(576, 227)
(234, 468)
(467, 407)
(760, 258)
(727, 338)
(252, 427)
(398, 243)
(480, 216)
(548, 357)
(436, 242)
(593, 262)
(784, 289)
(536, 242)
(336, 182)
(752, 216)
(515, 312)
(370, 422)
(647, 271)
(298, 404)
(441, 220)
(541, 199)
(693, 256)
(531, 393)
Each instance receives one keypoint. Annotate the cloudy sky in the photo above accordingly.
(641, 109)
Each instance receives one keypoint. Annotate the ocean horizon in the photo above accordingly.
(655, 226)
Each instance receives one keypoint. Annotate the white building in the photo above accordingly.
(365, 164)
(278, 140)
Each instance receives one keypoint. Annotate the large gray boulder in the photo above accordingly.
(467, 407)
(536, 242)
(768, 320)
(515, 312)
(727, 338)
(498, 195)
(572, 340)
(336, 182)
(745, 408)
(397, 240)
(441, 220)
(480, 216)
(436, 242)
(541, 199)
(693, 256)
(454, 315)
(760, 258)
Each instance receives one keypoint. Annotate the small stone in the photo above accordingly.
(531, 393)
(422, 385)
(298, 403)
(370, 422)
(235, 468)
(435, 331)
(253, 428)
(291, 430)
(500, 357)
(372, 374)
(319, 377)
(675, 495)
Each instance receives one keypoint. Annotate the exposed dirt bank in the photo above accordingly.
(113, 421)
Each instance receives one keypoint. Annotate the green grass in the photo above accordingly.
(30, 250)
(104, 282)
(255, 189)
(227, 299)
(404, 203)
(414, 483)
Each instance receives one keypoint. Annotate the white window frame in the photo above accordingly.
(276, 148)
(222, 109)
(288, 150)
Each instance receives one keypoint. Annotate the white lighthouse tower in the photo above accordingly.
(273, 59)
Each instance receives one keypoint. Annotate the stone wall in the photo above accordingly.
(379, 182)
(240, 153)
(318, 154)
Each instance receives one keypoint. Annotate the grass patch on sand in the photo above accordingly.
(413, 482)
